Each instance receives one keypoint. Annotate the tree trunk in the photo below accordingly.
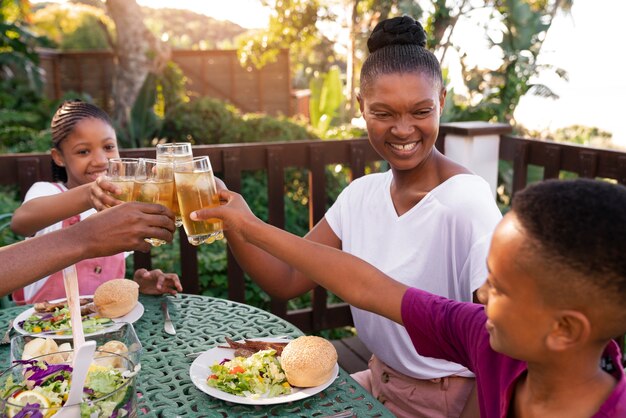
(137, 53)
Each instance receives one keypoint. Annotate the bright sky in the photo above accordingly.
(585, 43)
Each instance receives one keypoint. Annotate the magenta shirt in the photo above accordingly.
(455, 331)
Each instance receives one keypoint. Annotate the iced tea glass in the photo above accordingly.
(154, 183)
(172, 152)
(121, 172)
(196, 189)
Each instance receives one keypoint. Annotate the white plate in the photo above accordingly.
(200, 371)
(130, 317)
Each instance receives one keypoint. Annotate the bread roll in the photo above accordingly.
(308, 361)
(41, 346)
(116, 297)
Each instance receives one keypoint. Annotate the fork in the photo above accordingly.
(7, 335)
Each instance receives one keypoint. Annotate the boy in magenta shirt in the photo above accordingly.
(555, 297)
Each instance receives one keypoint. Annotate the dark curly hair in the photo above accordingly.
(578, 229)
(68, 114)
(398, 45)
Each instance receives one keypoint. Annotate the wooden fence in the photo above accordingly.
(213, 73)
(230, 161)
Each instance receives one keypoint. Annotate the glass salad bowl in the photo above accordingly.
(38, 388)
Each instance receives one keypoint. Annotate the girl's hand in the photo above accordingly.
(156, 282)
(99, 194)
(234, 212)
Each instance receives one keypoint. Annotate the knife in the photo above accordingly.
(167, 326)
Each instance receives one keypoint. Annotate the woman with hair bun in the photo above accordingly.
(427, 223)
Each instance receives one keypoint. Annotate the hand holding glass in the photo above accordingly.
(195, 186)
(121, 173)
(154, 183)
(173, 152)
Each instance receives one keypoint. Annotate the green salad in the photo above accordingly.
(45, 389)
(60, 320)
(257, 376)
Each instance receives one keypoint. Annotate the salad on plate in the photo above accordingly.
(59, 320)
(257, 376)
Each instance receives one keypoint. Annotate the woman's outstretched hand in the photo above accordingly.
(233, 211)
(100, 194)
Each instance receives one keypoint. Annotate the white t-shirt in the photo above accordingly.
(440, 245)
(41, 189)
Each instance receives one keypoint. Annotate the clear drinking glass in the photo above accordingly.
(195, 186)
(154, 183)
(121, 172)
(172, 152)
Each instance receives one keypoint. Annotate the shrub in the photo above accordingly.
(262, 128)
(9, 201)
(203, 121)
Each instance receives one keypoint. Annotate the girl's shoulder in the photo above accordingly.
(44, 188)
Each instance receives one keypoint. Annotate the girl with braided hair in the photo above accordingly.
(83, 141)
(426, 222)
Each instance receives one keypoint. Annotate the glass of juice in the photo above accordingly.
(121, 172)
(196, 189)
(172, 152)
(154, 183)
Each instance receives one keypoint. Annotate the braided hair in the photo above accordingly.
(63, 122)
(397, 45)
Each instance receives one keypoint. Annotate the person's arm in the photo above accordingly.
(41, 212)
(118, 229)
(349, 277)
(273, 275)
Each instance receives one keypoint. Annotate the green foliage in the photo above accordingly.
(258, 127)
(143, 125)
(9, 201)
(78, 27)
(345, 131)
(292, 26)
(326, 98)
(494, 94)
(171, 91)
(203, 121)
(211, 121)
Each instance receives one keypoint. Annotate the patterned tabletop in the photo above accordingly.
(201, 323)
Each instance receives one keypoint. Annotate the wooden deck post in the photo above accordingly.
(476, 145)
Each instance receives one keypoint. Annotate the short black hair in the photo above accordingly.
(398, 45)
(578, 226)
(67, 115)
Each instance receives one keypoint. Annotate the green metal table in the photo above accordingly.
(164, 386)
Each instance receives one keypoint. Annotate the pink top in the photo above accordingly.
(455, 331)
(91, 273)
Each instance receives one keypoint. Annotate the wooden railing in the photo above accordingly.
(230, 161)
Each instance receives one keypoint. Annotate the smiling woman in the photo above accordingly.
(426, 222)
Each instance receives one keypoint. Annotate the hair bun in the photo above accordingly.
(396, 31)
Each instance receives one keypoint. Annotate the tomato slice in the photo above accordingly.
(237, 369)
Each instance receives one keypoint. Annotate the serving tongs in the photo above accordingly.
(83, 351)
